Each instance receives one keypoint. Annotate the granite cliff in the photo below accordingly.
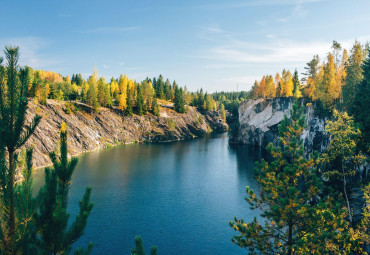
(259, 120)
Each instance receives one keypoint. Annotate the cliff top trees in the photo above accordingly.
(354, 75)
(297, 85)
(360, 108)
(179, 101)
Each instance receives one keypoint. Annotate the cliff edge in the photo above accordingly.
(259, 120)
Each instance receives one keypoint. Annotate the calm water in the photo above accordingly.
(179, 196)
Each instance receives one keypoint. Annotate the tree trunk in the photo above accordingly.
(290, 237)
(11, 203)
(346, 196)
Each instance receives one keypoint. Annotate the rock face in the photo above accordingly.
(259, 120)
(91, 131)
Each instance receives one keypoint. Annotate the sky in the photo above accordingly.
(215, 45)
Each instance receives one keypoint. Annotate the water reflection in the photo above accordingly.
(179, 196)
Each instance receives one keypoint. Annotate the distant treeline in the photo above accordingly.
(126, 94)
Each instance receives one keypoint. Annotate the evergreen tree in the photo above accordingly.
(159, 87)
(167, 90)
(128, 109)
(179, 102)
(77, 79)
(91, 98)
(55, 236)
(354, 75)
(13, 134)
(140, 102)
(360, 108)
(155, 107)
(297, 85)
(139, 248)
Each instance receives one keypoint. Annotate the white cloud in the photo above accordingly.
(30, 48)
(277, 51)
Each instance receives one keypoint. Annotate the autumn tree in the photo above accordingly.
(222, 111)
(287, 85)
(310, 77)
(341, 158)
(270, 87)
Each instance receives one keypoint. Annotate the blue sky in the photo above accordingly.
(210, 44)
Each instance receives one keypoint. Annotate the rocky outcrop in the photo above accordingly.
(259, 120)
(215, 121)
(91, 131)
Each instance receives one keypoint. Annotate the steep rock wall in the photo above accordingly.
(259, 120)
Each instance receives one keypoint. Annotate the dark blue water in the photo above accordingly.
(178, 196)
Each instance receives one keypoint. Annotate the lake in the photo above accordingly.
(178, 196)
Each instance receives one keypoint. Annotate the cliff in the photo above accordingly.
(259, 120)
(91, 131)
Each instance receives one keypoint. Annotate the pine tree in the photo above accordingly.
(26, 206)
(128, 109)
(13, 134)
(297, 85)
(139, 247)
(140, 102)
(167, 90)
(155, 107)
(354, 75)
(179, 102)
(159, 87)
(56, 236)
(360, 108)
(91, 98)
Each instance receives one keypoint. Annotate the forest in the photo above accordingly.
(305, 201)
